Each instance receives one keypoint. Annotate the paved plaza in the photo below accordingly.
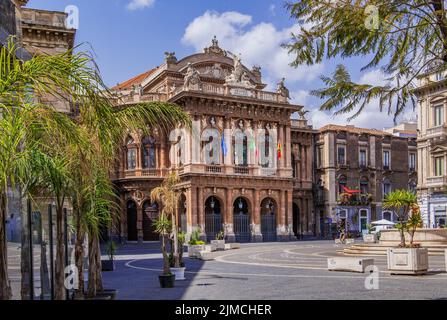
(275, 271)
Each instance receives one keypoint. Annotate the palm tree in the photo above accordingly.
(401, 202)
(93, 136)
(168, 196)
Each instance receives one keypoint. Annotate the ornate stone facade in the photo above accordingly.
(222, 189)
(370, 162)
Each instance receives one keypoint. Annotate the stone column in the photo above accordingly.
(229, 231)
(140, 224)
(201, 213)
(290, 214)
(191, 210)
(281, 219)
(255, 219)
(228, 142)
(309, 163)
(305, 215)
(282, 141)
(288, 149)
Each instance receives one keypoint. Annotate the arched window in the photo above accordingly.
(240, 149)
(149, 154)
(386, 187)
(131, 154)
(211, 145)
(342, 183)
(364, 185)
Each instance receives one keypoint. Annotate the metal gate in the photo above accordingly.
(183, 223)
(241, 227)
(268, 227)
(213, 225)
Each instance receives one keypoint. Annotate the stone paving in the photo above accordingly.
(267, 271)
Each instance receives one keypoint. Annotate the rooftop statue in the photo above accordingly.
(192, 79)
(282, 90)
(239, 77)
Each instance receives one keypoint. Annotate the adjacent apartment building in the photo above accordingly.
(355, 169)
(432, 146)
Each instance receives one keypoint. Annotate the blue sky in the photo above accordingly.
(130, 37)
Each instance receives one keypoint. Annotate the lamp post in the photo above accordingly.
(50, 235)
(31, 264)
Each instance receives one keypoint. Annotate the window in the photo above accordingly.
(386, 188)
(363, 221)
(342, 183)
(362, 158)
(439, 115)
(439, 166)
(364, 185)
(387, 215)
(131, 154)
(341, 155)
(149, 153)
(320, 157)
(386, 160)
(240, 148)
(412, 161)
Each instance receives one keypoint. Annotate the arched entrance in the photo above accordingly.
(150, 213)
(268, 220)
(296, 220)
(241, 220)
(213, 218)
(132, 232)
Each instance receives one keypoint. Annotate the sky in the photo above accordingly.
(129, 37)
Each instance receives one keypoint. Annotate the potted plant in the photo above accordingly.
(179, 272)
(406, 259)
(195, 244)
(369, 237)
(163, 227)
(219, 242)
(109, 265)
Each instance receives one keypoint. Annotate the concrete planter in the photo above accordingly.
(349, 241)
(369, 238)
(407, 260)
(179, 273)
(220, 244)
(194, 250)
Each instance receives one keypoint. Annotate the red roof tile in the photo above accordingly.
(135, 80)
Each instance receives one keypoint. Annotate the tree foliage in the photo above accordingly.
(402, 38)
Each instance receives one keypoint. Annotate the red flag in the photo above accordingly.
(279, 150)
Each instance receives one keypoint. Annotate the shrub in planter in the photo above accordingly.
(179, 272)
(195, 244)
(219, 242)
(406, 259)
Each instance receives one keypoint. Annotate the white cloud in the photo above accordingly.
(259, 44)
(140, 4)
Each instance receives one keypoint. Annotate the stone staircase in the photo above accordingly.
(378, 249)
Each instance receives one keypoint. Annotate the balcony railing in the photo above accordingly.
(241, 170)
(346, 199)
(213, 169)
(437, 181)
(436, 131)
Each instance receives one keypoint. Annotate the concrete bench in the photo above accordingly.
(232, 246)
(350, 264)
(207, 255)
(210, 248)
(350, 241)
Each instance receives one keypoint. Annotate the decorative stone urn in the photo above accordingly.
(369, 238)
(412, 261)
(220, 244)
